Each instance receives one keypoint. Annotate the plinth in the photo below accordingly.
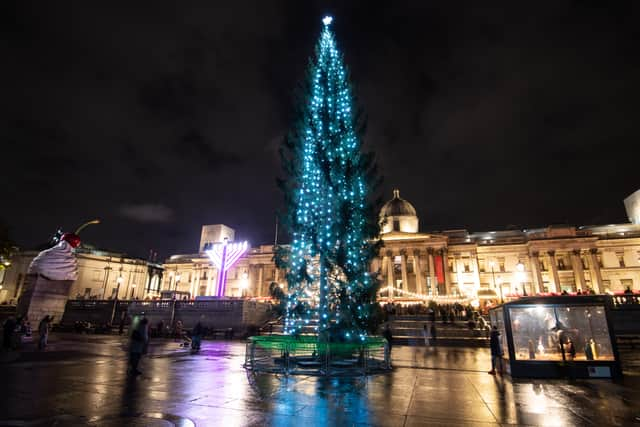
(43, 297)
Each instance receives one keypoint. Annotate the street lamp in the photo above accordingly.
(492, 264)
(520, 276)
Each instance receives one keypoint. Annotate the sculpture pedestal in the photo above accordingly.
(43, 297)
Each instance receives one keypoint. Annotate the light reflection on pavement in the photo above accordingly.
(82, 381)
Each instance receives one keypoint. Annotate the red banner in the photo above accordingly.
(439, 269)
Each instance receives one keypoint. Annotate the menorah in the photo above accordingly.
(224, 255)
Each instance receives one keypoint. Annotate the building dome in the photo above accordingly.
(398, 215)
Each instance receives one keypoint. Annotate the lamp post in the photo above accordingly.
(520, 275)
(492, 264)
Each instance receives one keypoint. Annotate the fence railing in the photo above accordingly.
(305, 355)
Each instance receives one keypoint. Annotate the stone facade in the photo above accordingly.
(101, 275)
(43, 297)
(445, 264)
(453, 263)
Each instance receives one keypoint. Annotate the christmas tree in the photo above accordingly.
(330, 215)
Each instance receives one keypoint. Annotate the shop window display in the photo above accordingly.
(554, 333)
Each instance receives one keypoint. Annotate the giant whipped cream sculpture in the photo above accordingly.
(58, 262)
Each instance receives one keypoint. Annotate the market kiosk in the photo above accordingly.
(557, 336)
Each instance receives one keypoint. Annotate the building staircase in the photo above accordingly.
(407, 330)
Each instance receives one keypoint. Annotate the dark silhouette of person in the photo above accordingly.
(386, 333)
(137, 346)
(496, 351)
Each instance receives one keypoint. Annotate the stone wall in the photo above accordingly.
(43, 297)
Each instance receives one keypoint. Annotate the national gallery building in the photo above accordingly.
(444, 266)
(448, 265)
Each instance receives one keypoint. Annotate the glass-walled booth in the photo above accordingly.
(564, 336)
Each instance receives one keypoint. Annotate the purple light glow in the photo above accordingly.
(224, 256)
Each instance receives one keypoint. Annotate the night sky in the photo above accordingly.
(160, 117)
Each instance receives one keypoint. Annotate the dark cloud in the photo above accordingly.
(482, 114)
(147, 212)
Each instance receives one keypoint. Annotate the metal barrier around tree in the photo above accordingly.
(306, 355)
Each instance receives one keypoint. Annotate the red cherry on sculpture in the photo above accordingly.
(71, 238)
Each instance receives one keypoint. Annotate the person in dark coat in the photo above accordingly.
(9, 329)
(196, 336)
(138, 345)
(386, 333)
(496, 351)
(433, 334)
(43, 331)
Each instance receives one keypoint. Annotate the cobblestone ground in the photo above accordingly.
(81, 380)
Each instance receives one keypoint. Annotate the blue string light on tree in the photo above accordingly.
(331, 220)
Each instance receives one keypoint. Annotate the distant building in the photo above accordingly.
(101, 275)
(443, 265)
(632, 206)
(453, 263)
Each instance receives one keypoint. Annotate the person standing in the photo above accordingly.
(43, 331)
(433, 334)
(196, 336)
(496, 351)
(137, 346)
(7, 336)
(386, 333)
(425, 334)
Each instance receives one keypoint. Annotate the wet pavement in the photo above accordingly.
(82, 380)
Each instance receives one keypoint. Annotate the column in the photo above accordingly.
(432, 272)
(403, 270)
(537, 273)
(596, 275)
(555, 286)
(390, 278)
(261, 291)
(210, 277)
(417, 269)
(196, 281)
(477, 269)
(578, 271)
(445, 269)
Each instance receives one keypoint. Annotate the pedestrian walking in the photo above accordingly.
(496, 351)
(433, 334)
(138, 345)
(425, 334)
(386, 333)
(196, 336)
(43, 331)
(121, 325)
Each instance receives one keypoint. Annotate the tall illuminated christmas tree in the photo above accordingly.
(330, 215)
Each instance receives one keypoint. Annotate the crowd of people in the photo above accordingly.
(447, 313)
(17, 331)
